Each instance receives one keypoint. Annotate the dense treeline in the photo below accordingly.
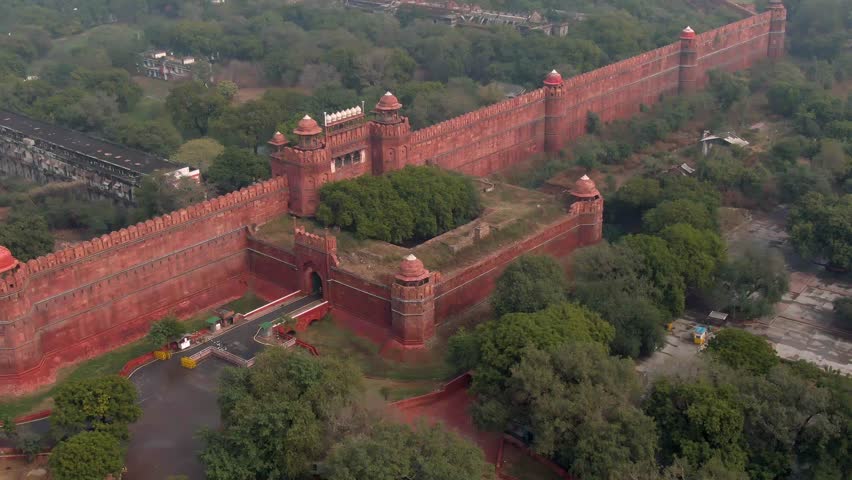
(316, 425)
(341, 58)
(557, 379)
(415, 203)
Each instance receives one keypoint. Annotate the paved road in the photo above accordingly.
(177, 403)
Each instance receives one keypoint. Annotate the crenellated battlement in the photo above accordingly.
(324, 243)
(474, 117)
(152, 227)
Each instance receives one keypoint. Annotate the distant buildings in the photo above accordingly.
(43, 152)
(166, 66)
(452, 13)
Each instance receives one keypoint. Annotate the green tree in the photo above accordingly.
(581, 407)
(393, 451)
(529, 284)
(92, 455)
(494, 347)
(26, 234)
(743, 350)
(659, 266)
(198, 153)
(821, 229)
(192, 107)
(684, 211)
(415, 203)
(155, 136)
(160, 194)
(613, 281)
(697, 421)
(278, 429)
(164, 331)
(236, 168)
(699, 254)
(249, 125)
(728, 88)
(750, 284)
(103, 404)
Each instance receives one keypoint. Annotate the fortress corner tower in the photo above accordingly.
(413, 303)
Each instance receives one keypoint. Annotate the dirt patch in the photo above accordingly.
(15, 469)
(246, 75)
(248, 94)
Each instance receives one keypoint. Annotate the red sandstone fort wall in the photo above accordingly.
(90, 298)
(498, 136)
(474, 284)
(733, 47)
(484, 141)
(360, 297)
(273, 269)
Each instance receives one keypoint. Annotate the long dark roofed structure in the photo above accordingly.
(44, 152)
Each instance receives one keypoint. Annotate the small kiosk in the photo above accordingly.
(699, 335)
(214, 324)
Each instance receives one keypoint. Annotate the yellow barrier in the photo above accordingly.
(187, 362)
(162, 355)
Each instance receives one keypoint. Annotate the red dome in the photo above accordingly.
(278, 139)
(307, 127)
(7, 261)
(553, 79)
(687, 33)
(388, 102)
(412, 269)
(585, 188)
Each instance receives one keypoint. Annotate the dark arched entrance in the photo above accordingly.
(316, 284)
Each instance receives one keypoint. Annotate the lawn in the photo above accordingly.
(110, 363)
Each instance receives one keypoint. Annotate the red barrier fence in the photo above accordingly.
(307, 346)
(137, 362)
(462, 382)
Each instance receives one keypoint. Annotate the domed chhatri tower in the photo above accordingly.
(585, 190)
(389, 133)
(7, 261)
(13, 301)
(588, 206)
(555, 133)
(413, 303)
(305, 164)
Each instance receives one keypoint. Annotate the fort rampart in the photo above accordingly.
(93, 297)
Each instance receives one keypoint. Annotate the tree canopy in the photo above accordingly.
(236, 168)
(392, 451)
(103, 404)
(165, 331)
(751, 283)
(415, 203)
(740, 349)
(26, 234)
(275, 428)
(529, 284)
(579, 406)
(91, 455)
(494, 347)
(821, 229)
